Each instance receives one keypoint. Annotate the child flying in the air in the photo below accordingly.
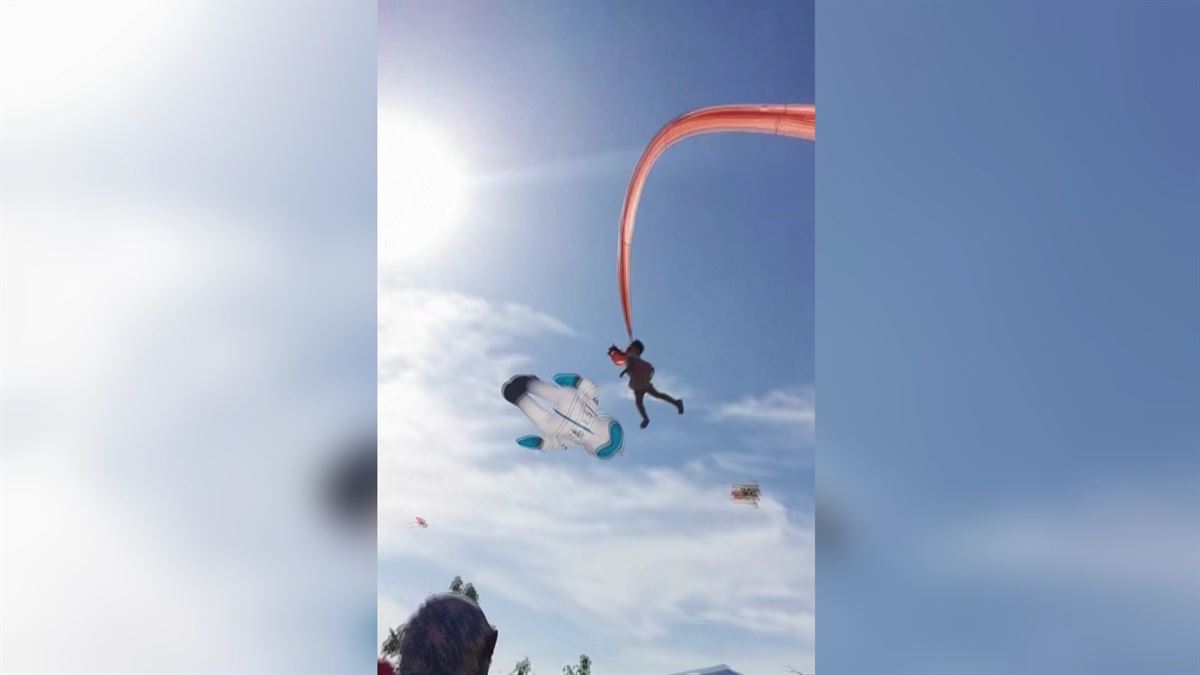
(640, 373)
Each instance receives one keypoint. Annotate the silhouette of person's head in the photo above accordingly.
(448, 635)
(351, 483)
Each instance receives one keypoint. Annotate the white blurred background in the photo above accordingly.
(187, 336)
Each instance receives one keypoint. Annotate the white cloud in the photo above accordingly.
(1109, 539)
(627, 554)
(784, 407)
(764, 461)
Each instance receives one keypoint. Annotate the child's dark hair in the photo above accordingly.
(637, 344)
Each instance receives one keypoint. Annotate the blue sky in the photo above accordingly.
(642, 563)
(1007, 325)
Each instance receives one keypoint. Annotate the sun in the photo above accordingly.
(422, 190)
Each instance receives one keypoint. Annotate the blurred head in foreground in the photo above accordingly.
(350, 486)
(448, 635)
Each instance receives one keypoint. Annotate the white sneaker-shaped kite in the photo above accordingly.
(573, 418)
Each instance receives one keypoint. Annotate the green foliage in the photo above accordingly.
(523, 667)
(467, 589)
(391, 645)
(584, 667)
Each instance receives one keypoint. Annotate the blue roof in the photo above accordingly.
(721, 669)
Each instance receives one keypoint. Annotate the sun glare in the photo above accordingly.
(422, 190)
(58, 60)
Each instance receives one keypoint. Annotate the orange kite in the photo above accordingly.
(784, 119)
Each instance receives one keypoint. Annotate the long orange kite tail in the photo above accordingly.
(785, 119)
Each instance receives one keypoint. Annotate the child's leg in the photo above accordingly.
(678, 403)
(638, 399)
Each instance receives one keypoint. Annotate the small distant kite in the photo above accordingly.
(745, 493)
(420, 522)
(571, 420)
